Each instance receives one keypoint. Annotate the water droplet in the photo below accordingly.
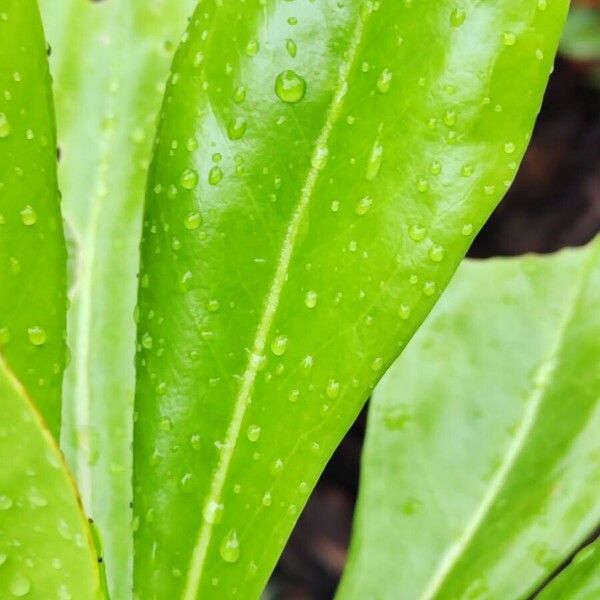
(436, 167)
(276, 467)
(429, 288)
(28, 216)
(37, 336)
(193, 220)
(450, 118)
(417, 233)
(189, 179)
(363, 205)
(230, 547)
(467, 170)
(195, 441)
(310, 299)
(290, 46)
(252, 47)
(377, 363)
(215, 175)
(253, 433)
(509, 38)
(279, 345)
(436, 253)
(384, 81)
(19, 586)
(4, 126)
(267, 499)
(290, 87)
(293, 395)
(213, 305)
(404, 312)
(240, 94)
(292, 21)
(457, 17)
(186, 483)
(5, 502)
(374, 162)
(467, 229)
(509, 147)
(422, 185)
(213, 512)
(236, 129)
(332, 389)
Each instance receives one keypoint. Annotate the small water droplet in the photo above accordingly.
(363, 205)
(310, 299)
(267, 499)
(509, 38)
(457, 17)
(450, 118)
(252, 47)
(467, 170)
(293, 395)
(240, 94)
(290, 46)
(384, 81)
(290, 87)
(404, 312)
(230, 547)
(37, 335)
(436, 253)
(467, 229)
(509, 147)
(417, 233)
(279, 345)
(5, 502)
(189, 179)
(436, 167)
(215, 175)
(377, 363)
(186, 483)
(333, 389)
(276, 467)
(28, 216)
(4, 126)
(196, 441)
(253, 433)
(374, 162)
(213, 305)
(236, 129)
(429, 288)
(193, 220)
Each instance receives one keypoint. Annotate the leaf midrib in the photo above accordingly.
(542, 381)
(248, 380)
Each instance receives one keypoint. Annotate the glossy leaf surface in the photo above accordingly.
(110, 61)
(321, 168)
(481, 468)
(32, 248)
(580, 580)
(46, 550)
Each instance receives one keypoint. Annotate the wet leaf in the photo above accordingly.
(32, 248)
(46, 550)
(305, 209)
(580, 580)
(109, 61)
(480, 473)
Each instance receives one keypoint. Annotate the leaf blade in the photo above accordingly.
(248, 253)
(109, 62)
(470, 528)
(44, 531)
(32, 248)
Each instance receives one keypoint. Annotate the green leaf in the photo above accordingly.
(580, 580)
(581, 38)
(32, 248)
(321, 169)
(480, 473)
(46, 549)
(110, 61)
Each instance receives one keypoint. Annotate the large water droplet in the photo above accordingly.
(37, 336)
(290, 87)
(215, 175)
(236, 129)
(189, 179)
(20, 586)
(230, 547)
(192, 220)
(28, 216)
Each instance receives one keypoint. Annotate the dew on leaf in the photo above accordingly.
(28, 216)
(230, 547)
(189, 179)
(290, 87)
(193, 220)
(37, 335)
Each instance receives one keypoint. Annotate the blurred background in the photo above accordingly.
(554, 202)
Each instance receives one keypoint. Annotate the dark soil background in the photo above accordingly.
(554, 202)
